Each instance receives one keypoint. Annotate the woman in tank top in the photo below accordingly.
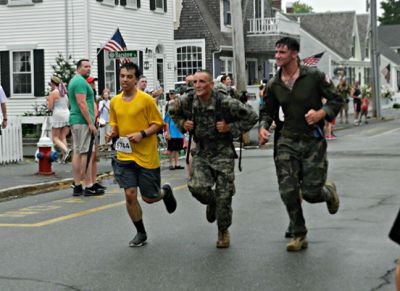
(356, 94)
(57, 102)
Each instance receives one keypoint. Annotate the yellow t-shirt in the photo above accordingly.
(133, 116)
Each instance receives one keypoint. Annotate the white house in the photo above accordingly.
(34, 32)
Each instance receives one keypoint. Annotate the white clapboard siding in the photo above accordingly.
(88, 25)
(11, 142)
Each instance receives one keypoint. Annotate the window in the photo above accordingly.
(190, 59)
(109, 73)
(158, 5)
(19, 2)
(108, 2)
(258, 8)
(353, 47)
(226, 66)
(132, 4)
(227, 12)
(22, 72)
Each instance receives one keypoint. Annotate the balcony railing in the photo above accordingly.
(272, 25)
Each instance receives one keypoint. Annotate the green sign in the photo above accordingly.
(122, 54)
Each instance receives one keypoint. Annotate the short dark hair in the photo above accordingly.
(79, 63)
(132, 66)
(291, 43)
(223, 78)
(210, 76)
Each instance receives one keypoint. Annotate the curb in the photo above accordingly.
(34, 189)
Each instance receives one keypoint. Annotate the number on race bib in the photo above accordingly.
(123, 145)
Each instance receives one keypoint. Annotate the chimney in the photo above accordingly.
(289, 8)
(277, 4)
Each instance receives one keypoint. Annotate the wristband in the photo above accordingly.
(4, 119)
(143, 133)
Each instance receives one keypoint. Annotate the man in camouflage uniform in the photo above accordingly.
(301, 162)
(214, 119)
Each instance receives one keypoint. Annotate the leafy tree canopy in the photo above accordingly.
(299, 7)
(391, 12)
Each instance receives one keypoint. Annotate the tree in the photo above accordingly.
(64, 68)
(299, 7)
(391, 12)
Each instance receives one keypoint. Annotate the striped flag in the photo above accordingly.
(386, 73)
(116, 43)
(312, 60)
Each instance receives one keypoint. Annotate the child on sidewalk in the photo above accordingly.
(364, 109)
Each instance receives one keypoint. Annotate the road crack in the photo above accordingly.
(40, 281)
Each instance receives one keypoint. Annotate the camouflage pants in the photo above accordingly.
(301, 167)
(204, 175)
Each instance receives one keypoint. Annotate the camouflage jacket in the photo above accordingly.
(240, 117)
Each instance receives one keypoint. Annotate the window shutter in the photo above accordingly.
(5, 71)
(117, 69)
(37, 1)
(116, 2)
(100, 70)
(165, 5)
(138, 3)
(141, 60)
(3, 2)
(123, 3)
(152, 4)
(38, 73)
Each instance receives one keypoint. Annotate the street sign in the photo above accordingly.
(122, 54)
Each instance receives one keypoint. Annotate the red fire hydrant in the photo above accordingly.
(46, 156)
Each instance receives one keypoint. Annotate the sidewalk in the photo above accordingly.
(22, 179)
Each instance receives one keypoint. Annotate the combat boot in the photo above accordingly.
(211, 212)
(333, 202)
(223, 239)
(297, 243)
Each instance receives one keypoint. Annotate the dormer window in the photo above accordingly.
(353, 47)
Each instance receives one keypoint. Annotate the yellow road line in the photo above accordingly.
(73, 215)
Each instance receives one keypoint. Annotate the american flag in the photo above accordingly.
(386, 73)
(116, 43)
(312, 60)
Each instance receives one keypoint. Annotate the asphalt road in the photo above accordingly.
(53, 241)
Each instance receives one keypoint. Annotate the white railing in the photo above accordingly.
(272, 25)
(11, 142)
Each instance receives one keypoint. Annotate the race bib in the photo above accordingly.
(123, 145)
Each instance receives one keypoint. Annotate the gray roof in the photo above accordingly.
(363, 25)
(389, 34)
(328, 26)
(385, 50)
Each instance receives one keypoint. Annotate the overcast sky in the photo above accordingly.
(336, 5)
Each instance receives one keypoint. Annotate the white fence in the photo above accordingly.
(11, 142)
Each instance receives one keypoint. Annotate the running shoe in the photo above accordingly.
(93, 191)
(139, 240)
(78, 190)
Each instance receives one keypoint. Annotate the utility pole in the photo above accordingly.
(238, 45)
(375, 62)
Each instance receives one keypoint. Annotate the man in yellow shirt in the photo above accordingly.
(135, 118)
